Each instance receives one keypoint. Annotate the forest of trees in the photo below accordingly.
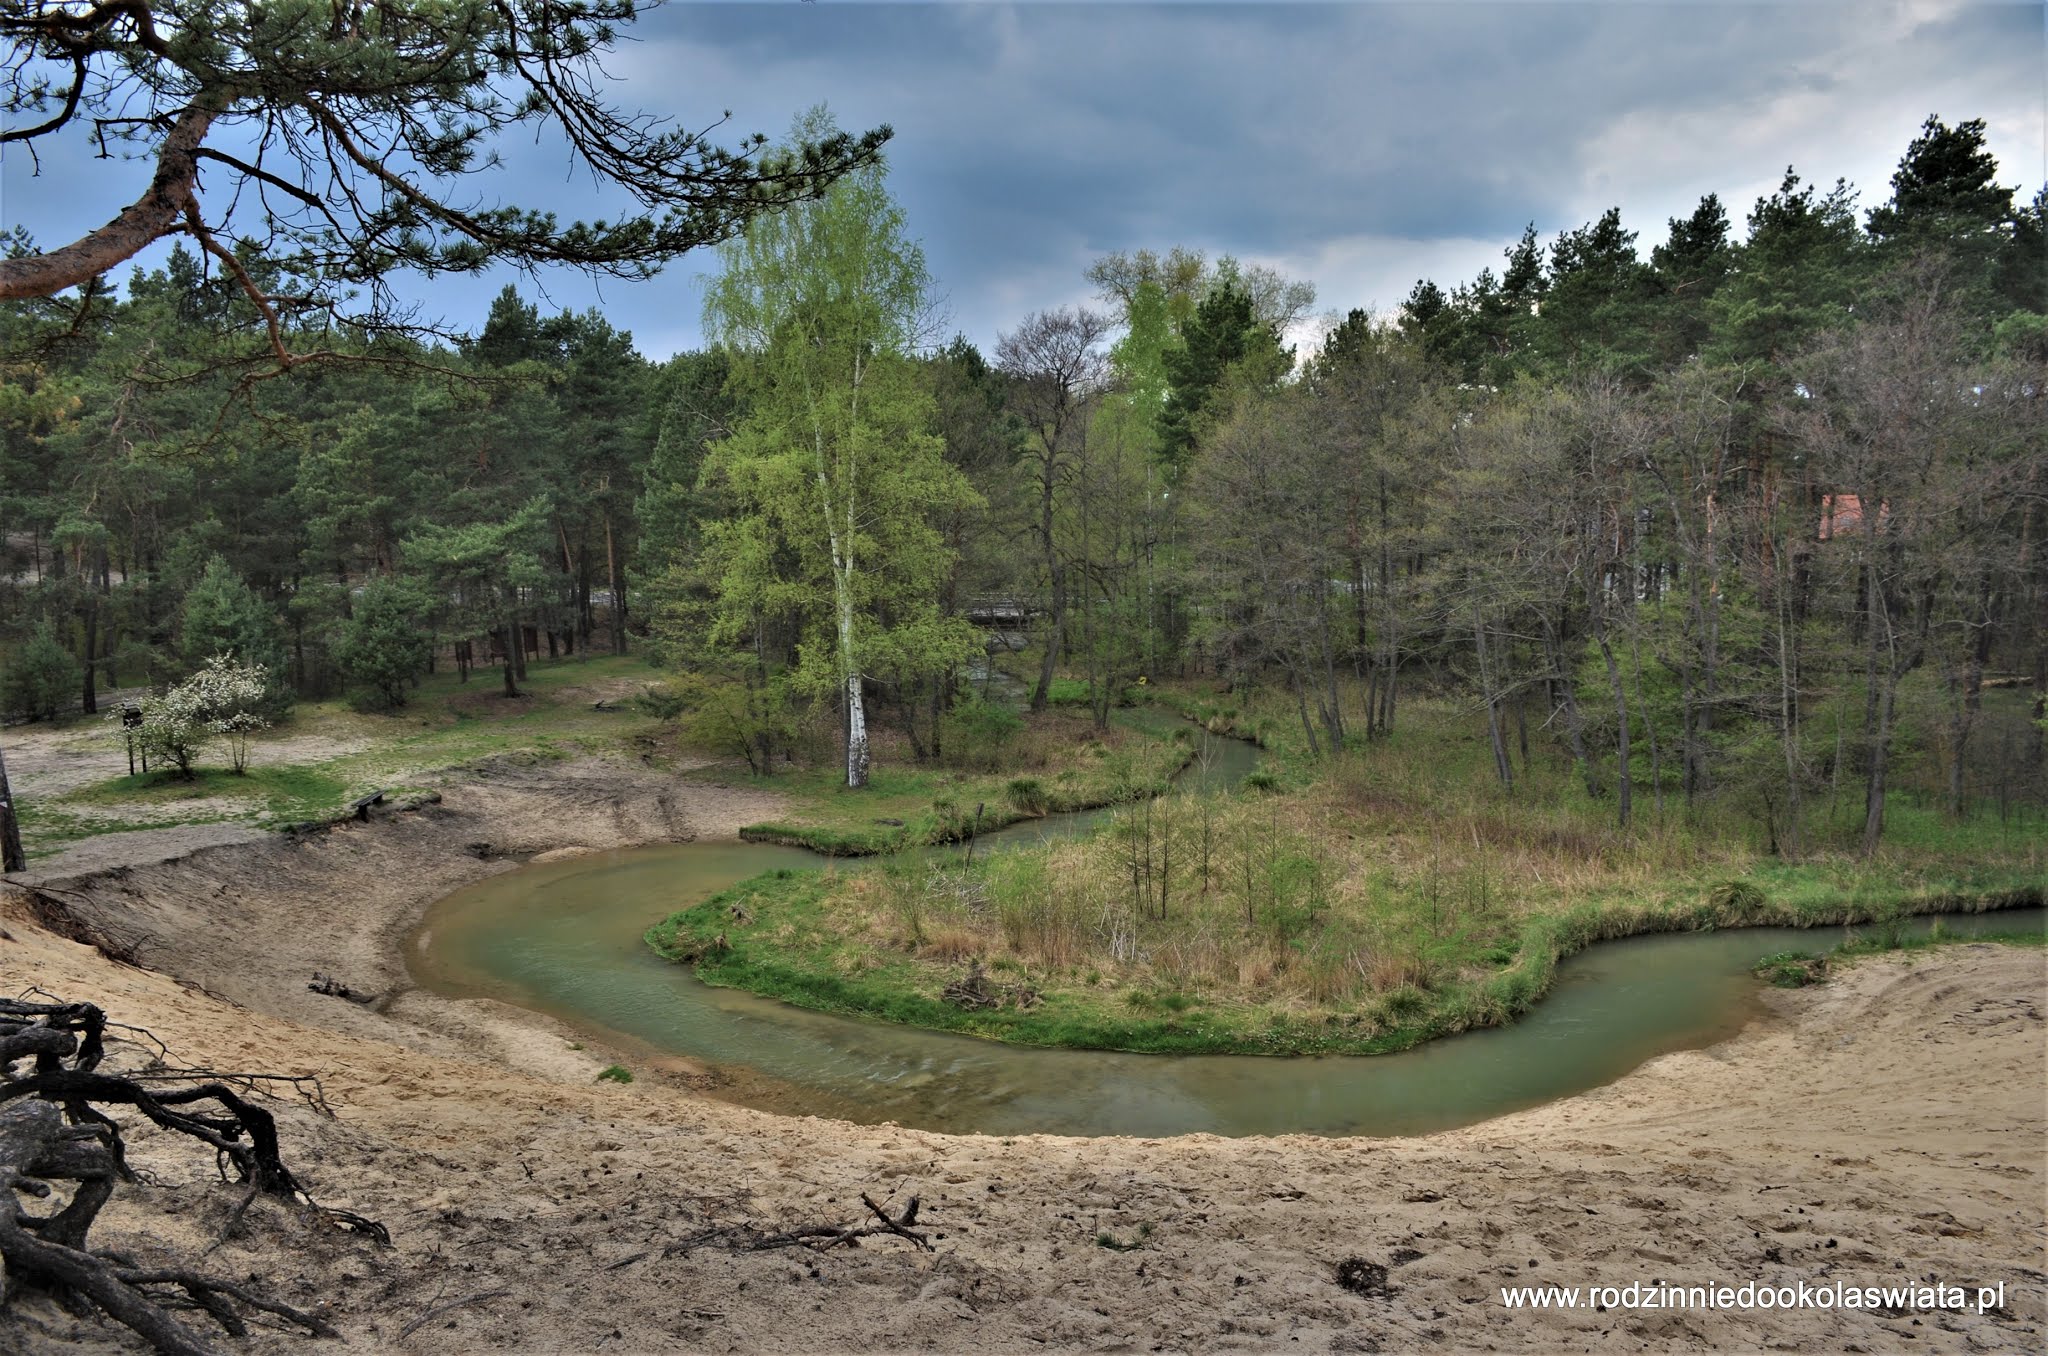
(1737, 518)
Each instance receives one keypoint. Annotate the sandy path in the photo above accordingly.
(1886, 1126)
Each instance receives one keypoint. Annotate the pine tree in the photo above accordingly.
(223, 616)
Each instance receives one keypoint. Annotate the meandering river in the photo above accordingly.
(564, 938)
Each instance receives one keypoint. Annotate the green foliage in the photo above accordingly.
(443, 81)
(615, 1073)
(1396, 897)
(831, 474)
(2023, 335)
(1079, 692)
(700, 405)
(1792, 969)
(486, 564)
(1945, 195)
(1597, 298)
(2021, 273)
(1223, 341)
(385, 644)
(1139, 359)
(40, 679)
(977, 732)
(910, 807)
(1798, 274)
(663, 701)
(223, 616)
(752, 717)
(1685, 273)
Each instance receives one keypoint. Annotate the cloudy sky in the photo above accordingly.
(1358, 145)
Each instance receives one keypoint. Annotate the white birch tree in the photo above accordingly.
(834, 473)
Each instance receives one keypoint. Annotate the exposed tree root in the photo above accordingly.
(55, 1129)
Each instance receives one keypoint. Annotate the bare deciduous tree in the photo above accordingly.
(1056, 365)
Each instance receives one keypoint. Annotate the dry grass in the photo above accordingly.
(1391, 876)
(954, 944)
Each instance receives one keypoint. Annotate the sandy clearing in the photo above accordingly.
(46, 761)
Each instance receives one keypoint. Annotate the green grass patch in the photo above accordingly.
(812, 939)
(1059, 763)
(1792, 969)
(1078, 692)
(1798, 969)
(287, 791)
(1934, 939)
(446, 725)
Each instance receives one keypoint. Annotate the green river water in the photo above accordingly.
(564, 938)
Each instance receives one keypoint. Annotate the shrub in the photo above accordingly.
(615, 1073)
(660, 701)
(1738, 899)
(756, 719)
(1404, 1002)
(384, 644)
(224, 699)
(1027, 794)
(173, 728)
(231, 699)
(42, 679)
(976, 732)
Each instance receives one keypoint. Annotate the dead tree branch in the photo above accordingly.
(56, 1134)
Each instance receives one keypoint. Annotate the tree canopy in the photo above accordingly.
(1740, 517)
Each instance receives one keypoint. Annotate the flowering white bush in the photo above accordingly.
(221, 699)
(228, 697)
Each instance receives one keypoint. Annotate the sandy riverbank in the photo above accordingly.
(1888, 1126)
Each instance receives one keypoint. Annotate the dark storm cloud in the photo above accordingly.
(1031, 139)
(1362, 145)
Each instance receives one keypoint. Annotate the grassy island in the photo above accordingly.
(1362, 904)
